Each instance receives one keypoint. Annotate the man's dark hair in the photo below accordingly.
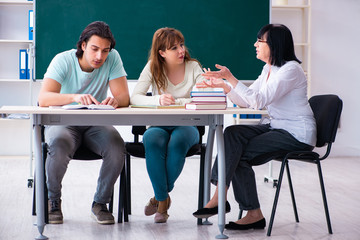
(97, 28)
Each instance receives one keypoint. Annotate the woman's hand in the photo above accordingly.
(166, 99)
(212, 83)
(224, 73)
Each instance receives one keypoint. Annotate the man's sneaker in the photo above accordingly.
(101, 213)
(55, 214)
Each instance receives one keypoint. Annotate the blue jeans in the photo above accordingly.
(63, 141)
(165, 152)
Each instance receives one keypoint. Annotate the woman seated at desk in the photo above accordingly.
(172, 74)
(282, 89)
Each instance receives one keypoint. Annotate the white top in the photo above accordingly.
(284, 94)
(181, 91)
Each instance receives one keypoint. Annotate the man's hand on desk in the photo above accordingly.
(110, 101)
(85, 99)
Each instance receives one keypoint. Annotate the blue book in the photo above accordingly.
(207, 93)
(23, 64)
(31, 24)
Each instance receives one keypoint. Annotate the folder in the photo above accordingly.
(31, 24)
(28, 54)
(23, 64)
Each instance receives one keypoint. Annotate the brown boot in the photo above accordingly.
(55, 214)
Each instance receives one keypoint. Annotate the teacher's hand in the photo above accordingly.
(224, 72)
(212, 83)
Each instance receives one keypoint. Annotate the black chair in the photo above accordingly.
(136, 149)
(82, 153)
(327, 110)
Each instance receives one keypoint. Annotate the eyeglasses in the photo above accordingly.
(260, 40)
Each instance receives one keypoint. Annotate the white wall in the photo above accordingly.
(335, 65)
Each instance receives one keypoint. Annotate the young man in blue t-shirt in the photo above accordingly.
(83, 76)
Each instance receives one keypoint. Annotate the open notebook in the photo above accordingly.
(81, 106)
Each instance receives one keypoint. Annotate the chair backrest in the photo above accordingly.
(84, 153)
(327, 111)
(140, 130)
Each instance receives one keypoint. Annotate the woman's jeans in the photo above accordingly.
(165, 152)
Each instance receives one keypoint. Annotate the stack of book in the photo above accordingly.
(207, 100)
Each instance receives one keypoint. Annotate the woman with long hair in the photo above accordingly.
(171, 74)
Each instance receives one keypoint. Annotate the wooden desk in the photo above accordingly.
(133, 116)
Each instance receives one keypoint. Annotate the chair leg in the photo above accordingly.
(128, 183)
(240, 213)
(111, 203)
(324, 197)
(201, 183)
(292, 192)
(34, 199)
(46, 198)
(122, 208)
(276, 196)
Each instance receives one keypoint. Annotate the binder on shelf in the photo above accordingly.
(23, 64)
(28, 73)
(31, 24)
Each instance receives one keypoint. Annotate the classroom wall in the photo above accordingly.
(335, 65)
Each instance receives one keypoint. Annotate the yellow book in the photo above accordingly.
(158, 107)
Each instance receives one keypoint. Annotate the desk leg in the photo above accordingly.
(207, 167)
(221, 180)
(40, 181)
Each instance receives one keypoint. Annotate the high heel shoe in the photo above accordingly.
(256, 225)
(208, 212)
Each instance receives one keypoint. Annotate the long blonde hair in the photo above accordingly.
(164, 39)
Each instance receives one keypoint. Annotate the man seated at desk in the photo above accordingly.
(84, 76)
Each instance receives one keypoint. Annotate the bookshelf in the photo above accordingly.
(14, 35)
(296, 14)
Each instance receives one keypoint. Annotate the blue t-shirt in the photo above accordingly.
(65, 69)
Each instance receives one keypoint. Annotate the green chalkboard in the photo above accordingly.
(215, 31)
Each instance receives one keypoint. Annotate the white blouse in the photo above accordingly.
(284, 95)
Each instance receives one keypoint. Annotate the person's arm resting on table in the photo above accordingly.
(119, 89)
(50, 95)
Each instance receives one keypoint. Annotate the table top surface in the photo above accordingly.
(125, 110)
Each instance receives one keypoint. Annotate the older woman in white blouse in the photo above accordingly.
(281, 88)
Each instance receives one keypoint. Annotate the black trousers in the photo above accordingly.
(242, 144)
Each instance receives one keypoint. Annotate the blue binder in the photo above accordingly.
(23, 64)
(31, 24)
